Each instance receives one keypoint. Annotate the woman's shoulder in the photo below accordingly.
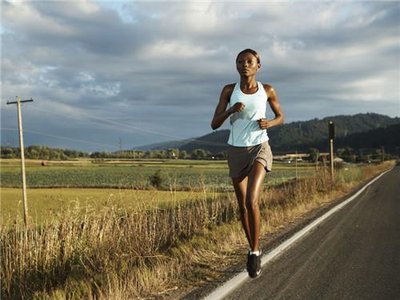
(268, 89)
(229, 87)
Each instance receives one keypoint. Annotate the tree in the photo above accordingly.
(156, 179)
(8, 152)
(314, 154)
(183, 154)
(347, 154)
(199, 154)
(172, 153)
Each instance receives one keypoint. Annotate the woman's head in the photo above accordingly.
(251, 51)
(248, 62)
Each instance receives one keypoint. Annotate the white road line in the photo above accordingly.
(233, 283)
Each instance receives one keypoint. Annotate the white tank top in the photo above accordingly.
(245, 131)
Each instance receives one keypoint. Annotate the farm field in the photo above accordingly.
(174, 174)
(48, 204)
(85, 184)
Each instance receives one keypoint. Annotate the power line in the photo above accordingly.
(118, 125)
(95, 143)
(62, 137)
(127, 126)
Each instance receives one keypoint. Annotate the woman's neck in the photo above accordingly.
(248, 82)
(248, 85)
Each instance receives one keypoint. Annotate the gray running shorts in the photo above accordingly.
(241, 159)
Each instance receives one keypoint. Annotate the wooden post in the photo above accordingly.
(296, 166)
(331, 137)
(21, 145)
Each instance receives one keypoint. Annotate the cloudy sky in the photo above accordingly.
(105, 75)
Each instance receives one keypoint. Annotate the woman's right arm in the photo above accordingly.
(221, 113)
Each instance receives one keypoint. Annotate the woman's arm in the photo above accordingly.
(276, 108)
(221, 113)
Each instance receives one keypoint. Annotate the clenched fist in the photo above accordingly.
(263, 123)
(237, 107)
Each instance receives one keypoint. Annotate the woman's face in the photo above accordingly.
(247, 64)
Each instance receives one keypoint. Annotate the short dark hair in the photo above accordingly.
(251, 51)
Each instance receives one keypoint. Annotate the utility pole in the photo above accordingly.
(331, 137)
(21, 145)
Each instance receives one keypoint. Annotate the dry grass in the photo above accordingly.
(47, 205)
(122, 254)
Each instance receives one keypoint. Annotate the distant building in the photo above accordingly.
(290, 157)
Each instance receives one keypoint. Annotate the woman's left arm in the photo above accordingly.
(276, 108)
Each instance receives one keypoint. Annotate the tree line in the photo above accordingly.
(48, 153)
(42, 152)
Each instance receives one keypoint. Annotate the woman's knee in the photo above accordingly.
(243, 208)
(252, 203)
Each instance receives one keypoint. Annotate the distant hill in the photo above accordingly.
(214, 142)
(314, 133)
(368, 130)
(389, 137)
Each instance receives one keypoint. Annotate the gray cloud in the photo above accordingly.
(152, 71)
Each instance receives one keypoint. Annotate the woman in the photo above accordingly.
(249, 154)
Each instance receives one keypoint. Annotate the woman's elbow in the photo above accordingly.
(281, 119)
(215, 124)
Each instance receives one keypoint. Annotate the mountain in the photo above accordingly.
(314, 133)
(389, 137)
(214, 142)
(359, 131)
(164, 145)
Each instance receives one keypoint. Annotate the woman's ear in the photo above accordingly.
(259, 66)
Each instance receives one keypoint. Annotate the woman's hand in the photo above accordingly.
(263, 123)
(237, 107)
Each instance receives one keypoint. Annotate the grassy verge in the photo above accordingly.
(124, 254)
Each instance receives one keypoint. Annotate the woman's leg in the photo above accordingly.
(254, 184)
(240, 186)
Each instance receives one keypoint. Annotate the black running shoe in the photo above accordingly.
(248, 262)
(258, 270)
(254, 265)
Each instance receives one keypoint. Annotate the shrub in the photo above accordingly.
(156, 179)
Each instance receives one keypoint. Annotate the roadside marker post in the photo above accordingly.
(331, 138)
(21, 145)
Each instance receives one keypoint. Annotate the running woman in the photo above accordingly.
(249, 153)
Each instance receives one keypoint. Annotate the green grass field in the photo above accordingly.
(86, 184)
(175, 174)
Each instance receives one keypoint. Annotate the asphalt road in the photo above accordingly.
(354, 254)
